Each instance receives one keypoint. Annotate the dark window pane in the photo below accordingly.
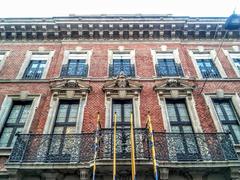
(35, 69)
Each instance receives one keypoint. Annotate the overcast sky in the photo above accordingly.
(49, 8)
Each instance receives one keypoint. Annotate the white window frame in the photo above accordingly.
(236, 103)
(76, 54)
(4, 55)
(125, 52)
(211, 54)
(136, 110)
(170, 54)
(231, 55)
(6, 108)
(190, 103)
(34, 54)
(54, 104)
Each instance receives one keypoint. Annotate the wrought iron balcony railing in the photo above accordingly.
(169, 71)
(78, 148)
(210, 73)
(127, 69)
(69, 71)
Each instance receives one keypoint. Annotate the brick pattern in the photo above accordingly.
(99, 69)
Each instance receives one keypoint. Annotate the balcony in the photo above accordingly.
(79, 148)
(127, 69)
(78, 72)
(210, 73)
(166, 71)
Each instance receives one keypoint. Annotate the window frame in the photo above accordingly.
(228, 54)
(6, 108)
(208, 54)
(52, 113)
(113, 52)
(168, 54)
(3, 60)
(235, 102)
(30, 56)
(67, 57)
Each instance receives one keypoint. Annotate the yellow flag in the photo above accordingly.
(132, 149)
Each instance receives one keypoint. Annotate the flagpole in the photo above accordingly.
(114, 145)
(132, 149)
(96, 146)
(150, 129)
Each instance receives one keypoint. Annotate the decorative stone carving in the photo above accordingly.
(69, 88)
(174, 88)
(122, 86)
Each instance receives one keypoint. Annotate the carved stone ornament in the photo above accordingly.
(67, 87)
(174, 87)
(122, 86)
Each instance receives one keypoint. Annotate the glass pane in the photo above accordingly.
(219, 112)
(183, 113)
(171, 112)
(62, 113)
(5, 137)
(175, 129)
(237, 63)
(25, 113)
(14, 114)
(187, 129)
(19, 130)
(229, 111)
(236, 129)
(71, 130)
(73, 113)
(127, 112)
(58, 130)
(117, 109)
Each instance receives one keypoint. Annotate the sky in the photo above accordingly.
(53, 8)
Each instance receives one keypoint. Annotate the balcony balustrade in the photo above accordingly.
(74, 72)
(78, 148)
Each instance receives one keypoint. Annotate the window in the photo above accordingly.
(65, 123)
(228, 117)
(123, 109)
(207, 68)
(235, 61)
(15, 122)
(35, 65)
(185, 142)
(35, 69)
(121, 63)
(66, 117)
(76, 66)
(166, 65)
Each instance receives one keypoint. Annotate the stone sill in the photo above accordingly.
(5, 151)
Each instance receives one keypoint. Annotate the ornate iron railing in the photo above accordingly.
(210, 72)
(53, 148)
(167, 71)
(127, 69)
(194, 147)
(77, 148)
(67, 71)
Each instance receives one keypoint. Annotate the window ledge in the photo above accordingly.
(5, 151)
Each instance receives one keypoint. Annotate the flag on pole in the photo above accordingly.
(96, 146)
(114, 144)
(151, 144)
(132, 148)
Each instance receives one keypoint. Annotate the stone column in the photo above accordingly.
(84, 174)
(50, 176)
(163, 173)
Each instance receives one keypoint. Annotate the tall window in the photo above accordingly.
(180, 122)
(228, 117)
(66, 118)
(15, 122)
(208, 68)
(76, 67)
(60, 147)
(236, 61)
(35, 69)
(121, 63)
(123, 108)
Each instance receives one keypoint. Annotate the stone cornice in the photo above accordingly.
(114, 27)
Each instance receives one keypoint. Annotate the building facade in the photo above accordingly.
(58, 75)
